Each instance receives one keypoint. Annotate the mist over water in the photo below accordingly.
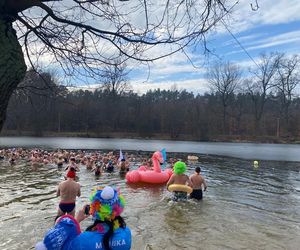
(244, 207)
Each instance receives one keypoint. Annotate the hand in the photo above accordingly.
(81, 215)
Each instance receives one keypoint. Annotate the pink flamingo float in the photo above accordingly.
(150, 176)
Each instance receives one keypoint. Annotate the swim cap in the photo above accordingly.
(179, 167)
(71, 174)
(106, 203)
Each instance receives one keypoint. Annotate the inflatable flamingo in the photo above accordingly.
(150, 176)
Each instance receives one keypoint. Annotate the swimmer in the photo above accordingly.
(179, 177)
(68, 190)
(197, 181)
(98, 168)
(123, 166)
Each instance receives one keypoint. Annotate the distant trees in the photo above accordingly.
(287, 80)
(266, 98)
(260, 83)
(224, 79)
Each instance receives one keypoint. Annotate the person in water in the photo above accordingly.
(179, 177)
(197, 181)
(109, 167)
(98, 168)
(72, 165)
(108, 231)
(68, 190)
(123, 166)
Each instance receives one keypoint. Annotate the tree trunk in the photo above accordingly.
(12, 64)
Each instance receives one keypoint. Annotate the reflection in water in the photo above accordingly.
(244, 207)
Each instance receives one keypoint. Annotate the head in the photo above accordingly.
(197, 170)
(158, 156)
(106, 203)
(179, 167)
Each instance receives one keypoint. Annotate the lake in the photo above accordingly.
(244, 207)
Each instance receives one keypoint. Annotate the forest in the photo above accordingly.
(262, 103)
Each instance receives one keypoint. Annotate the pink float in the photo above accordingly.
(150, 176)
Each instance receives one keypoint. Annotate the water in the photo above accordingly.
(257, 151)
(244, 207)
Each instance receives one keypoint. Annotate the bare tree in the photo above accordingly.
(223, 79)
(287, 81)
(81, 36)
(259, 85)
(115, 79)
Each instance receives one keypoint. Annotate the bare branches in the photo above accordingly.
(84, 36)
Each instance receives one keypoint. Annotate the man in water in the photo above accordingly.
(197, 181)
(68, 190)
(179, 177)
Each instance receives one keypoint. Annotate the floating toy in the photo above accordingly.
(192, 158)
(180, 188)
(255, 164)
(150, 176)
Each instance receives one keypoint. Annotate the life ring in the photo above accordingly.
(180, 188)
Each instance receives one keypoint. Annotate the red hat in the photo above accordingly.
(71, 174)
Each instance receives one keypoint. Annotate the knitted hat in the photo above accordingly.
(179, 167)
(71, 174)
(106, 203)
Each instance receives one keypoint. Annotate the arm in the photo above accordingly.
(171, 181)
(204, 184)
(80, 216)
(79, 192)
(58, 191)
(189, 182)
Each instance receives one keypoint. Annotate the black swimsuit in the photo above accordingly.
(196, 194)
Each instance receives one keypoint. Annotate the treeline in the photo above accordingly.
(262, 103)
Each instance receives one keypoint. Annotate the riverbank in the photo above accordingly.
(158, 136)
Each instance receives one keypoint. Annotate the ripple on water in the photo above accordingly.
(244, 208)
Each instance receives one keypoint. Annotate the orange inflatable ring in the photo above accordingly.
(180, 188)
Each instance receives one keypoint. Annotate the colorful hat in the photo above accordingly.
(106, 203)
(71, 174)
(179, 167)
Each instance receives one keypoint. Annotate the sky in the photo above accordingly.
(273, 27)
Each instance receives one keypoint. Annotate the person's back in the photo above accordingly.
(179, 177)
(69, 189)
(197, 181)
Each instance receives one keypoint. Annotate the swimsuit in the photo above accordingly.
(196, 194)
(177, 195)
(67, 207)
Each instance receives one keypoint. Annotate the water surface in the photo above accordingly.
(256, 151)
(244, 207)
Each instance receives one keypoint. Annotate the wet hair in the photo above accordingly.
(110, 231)
(197, 170)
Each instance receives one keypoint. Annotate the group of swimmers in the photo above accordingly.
(95, 161)
(196, 181)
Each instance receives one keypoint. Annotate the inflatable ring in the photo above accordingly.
(193, 158)
(180, 188)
